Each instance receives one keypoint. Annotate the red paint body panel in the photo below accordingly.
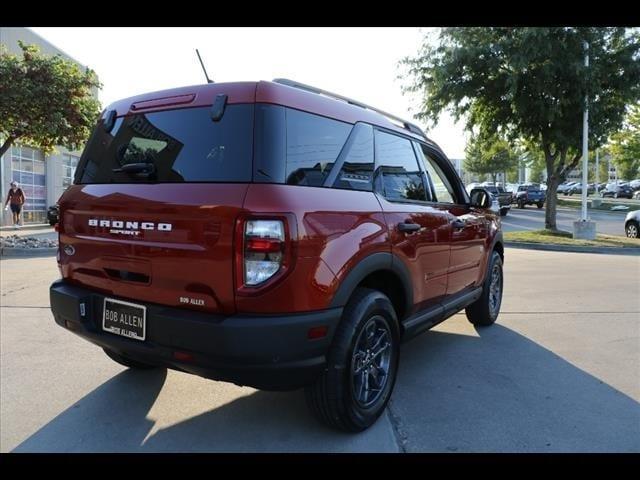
(331, 239)
(192, 260)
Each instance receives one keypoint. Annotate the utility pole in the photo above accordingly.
(585, 229)
(597, 171)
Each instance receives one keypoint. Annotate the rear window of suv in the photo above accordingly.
(184, 145)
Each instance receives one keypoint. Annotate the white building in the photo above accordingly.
(43, 179)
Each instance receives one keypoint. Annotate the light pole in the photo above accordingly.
(585, 229)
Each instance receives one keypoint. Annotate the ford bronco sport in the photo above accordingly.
(274, 235)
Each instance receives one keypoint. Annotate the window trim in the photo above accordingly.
(377, 174)
(447, 168)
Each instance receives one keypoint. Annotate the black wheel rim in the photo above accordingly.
(495, 290)
(371, 362)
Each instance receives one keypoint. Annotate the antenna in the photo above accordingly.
(203, 69)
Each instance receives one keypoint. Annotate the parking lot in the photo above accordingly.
(559, 372)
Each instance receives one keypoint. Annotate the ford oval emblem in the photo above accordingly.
(69, 250)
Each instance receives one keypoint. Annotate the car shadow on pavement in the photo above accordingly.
(501, 392)
(108, 419)
(497, 391)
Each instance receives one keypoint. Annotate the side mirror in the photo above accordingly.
(480, 198)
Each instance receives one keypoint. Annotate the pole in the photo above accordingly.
(597, 171)
(585, 143)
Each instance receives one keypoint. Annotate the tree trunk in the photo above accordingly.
(551, 203)
(6, 145)
(553, 180)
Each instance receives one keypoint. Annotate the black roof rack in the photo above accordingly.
(406, 125)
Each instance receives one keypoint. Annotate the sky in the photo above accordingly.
(361, 63)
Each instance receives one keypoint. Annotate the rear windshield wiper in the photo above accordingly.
(145, 169)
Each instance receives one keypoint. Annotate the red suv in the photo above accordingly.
(270, 234)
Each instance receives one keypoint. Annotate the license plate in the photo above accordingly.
(124, 318)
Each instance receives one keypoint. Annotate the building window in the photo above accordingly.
(69, 165)
(27, 168)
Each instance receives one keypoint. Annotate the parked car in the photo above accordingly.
(632, 224)
(529, 195)
(504, 198)
(577, 189)
(635, 184)
(52, 214)
(636, 195)
(255, 233)
(563, 188)
(622, 190)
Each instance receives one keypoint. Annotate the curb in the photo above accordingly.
(28, 252)
(568, 248)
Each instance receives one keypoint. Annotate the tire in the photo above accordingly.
(339, 398)
(632, 229)
(520, 204)
(503, 212)
(540, 204)
(615, 195)
(482, 312)
(128, 362)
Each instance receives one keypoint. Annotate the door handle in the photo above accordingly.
(408, 227)
(458, 224)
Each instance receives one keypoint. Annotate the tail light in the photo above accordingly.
(263, 250)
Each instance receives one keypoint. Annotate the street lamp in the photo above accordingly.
(585, 229)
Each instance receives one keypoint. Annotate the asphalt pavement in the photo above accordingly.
(558, 372)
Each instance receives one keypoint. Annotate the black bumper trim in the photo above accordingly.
(263, 351)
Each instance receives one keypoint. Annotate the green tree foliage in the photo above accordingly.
(489, 156)
(530, 83)
(624, 145)
(45, 101)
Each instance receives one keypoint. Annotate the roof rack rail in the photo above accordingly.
(406, 125)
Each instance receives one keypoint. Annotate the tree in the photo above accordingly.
(45, 101)
(530, 83)
(624, 145)
(489, 156)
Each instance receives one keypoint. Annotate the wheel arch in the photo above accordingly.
(381, 271)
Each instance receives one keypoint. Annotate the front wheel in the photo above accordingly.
(362, 363)
(503, 212)
(540, 204)
(520, 204)
(485, 310)
(632, 229)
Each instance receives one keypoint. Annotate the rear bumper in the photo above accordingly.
(267, 352)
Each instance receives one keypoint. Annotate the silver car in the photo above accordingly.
(632, 224)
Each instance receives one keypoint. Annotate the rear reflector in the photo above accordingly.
(317, 332)
(183, 356)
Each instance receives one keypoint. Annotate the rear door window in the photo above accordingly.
(184, 145)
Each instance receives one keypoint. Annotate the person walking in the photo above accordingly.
(16, 199)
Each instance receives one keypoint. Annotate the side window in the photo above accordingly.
(444, 192)
(357, 170)
(313, 144)
(397, 168)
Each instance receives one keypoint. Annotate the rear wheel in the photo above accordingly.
(632, 229)
(362, 363)
(540, 204)
(128, 362)
(503, 212)
(485, 310)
